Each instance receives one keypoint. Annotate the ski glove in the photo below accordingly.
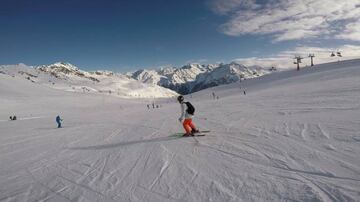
(180, 119)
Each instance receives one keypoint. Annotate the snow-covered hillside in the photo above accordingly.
(67, 77)
(294, 136)
(194, 77)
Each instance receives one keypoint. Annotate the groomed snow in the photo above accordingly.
(294, 136)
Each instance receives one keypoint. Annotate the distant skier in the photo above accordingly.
(187, 112)
(58, 121)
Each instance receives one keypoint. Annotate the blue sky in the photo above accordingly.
(127, 35)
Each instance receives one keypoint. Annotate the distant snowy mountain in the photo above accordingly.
(142, 83)
(66, 71)
(194, 77)
(225, 74)
(65, 76)
(147, 76)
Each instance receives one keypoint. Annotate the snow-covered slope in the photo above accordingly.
(195, 77)
(294, 136)
(67, 77)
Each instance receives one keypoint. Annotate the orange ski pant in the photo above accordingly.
(188, 126)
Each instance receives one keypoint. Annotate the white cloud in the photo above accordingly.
(226, 6)
(291, 19)
(284, 59)
(351, 32)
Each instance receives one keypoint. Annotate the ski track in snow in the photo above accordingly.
(291, 139)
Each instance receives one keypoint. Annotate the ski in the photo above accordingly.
(199, 134)
(195, 135)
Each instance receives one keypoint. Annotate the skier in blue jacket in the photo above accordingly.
(58, 121)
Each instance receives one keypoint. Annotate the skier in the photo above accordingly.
(187, 112)
(58, 121)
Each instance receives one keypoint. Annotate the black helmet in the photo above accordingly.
(180, 98)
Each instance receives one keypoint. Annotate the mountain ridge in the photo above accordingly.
(187, 79)
(195, 77)
(67, 77)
